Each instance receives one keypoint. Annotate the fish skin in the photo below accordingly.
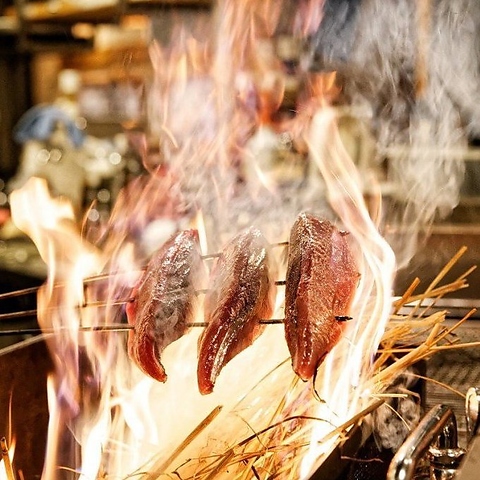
(320, 285)
(242, 291)
(164, 301)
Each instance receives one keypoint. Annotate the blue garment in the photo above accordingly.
(40, 122)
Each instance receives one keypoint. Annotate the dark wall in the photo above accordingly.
(23, 389)
(15, 99)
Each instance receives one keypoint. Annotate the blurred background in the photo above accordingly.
(75, 86)
(73, 82)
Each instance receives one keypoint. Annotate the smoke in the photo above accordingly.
(413, 67)
(417, 73)
(206, 99)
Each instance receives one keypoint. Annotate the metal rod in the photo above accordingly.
(121, 327)
(33, 313)
(438, 424)
(103, 303)
(93, 304)
(19, 293)
(28, 291)
(96, 304)
(106, 276)
(14, 315)
(37, 331)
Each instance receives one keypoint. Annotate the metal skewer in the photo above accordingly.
(19, 293)
(106, 276)
(124, 327)
(33, 313)
(121, 327)
(36, 331)
(14, 315)
(93, 304)
(100, 304)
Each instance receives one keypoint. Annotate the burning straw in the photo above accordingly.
(267, 425)
(273, 450)
(269, 422)
(261, 421)
(6, 459)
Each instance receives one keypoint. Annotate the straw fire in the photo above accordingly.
(212, 102)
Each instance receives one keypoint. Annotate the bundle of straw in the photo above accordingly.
(274, 450)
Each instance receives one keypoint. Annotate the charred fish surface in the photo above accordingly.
(164, 301)
(320, 284)
(242, 291)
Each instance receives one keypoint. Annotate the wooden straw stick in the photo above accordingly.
(439, 291)
(455, 346)
(223, 462)
(353, 420)
(405, 298)
(446, 269)
(6, 459)
(440, 384)
(467, 273)
(159, 468)
(403, 362)
(457, 324)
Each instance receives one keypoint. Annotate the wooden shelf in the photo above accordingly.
(65, 13)
(26, 19)
(49, 12)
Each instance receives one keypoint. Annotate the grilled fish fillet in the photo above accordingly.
(320, 284)
(164, 301)
(242, 291)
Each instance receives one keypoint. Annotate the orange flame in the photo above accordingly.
(349, 366)
(203, 116)
(8, 453)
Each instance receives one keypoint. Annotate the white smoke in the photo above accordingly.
(378, 51)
